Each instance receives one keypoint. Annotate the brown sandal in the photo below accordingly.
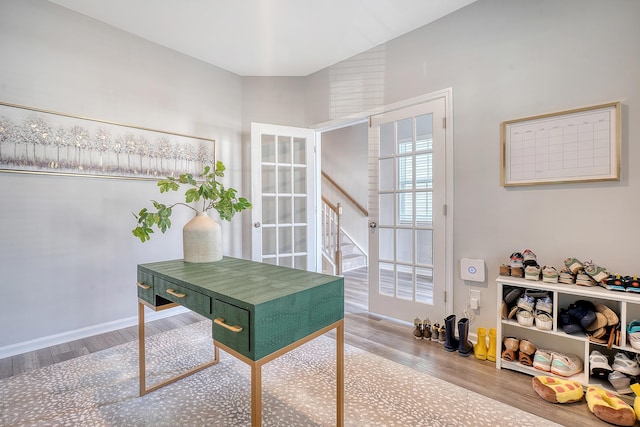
(511, 346)
(610, 315)
(527, 350)
(510, 355)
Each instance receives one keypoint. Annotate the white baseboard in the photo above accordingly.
(51, 340)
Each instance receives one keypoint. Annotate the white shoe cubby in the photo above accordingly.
(625, 304)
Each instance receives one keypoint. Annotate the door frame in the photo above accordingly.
(358, 118)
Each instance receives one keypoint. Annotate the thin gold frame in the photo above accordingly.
(562, 172)
(33, 140)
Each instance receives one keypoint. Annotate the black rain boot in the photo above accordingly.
(465, 347)
(451, 343)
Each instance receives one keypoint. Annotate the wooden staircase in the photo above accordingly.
(340, 252)
(353, 256)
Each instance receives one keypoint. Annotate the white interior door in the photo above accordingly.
(407, 244)
(285, 196)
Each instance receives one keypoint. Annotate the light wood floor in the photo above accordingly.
(382, 336)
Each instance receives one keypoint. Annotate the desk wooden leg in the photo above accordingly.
(340, 375)
(256, 394)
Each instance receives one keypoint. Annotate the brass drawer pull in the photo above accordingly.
(143, 286)
(176, 294)
(220, 321)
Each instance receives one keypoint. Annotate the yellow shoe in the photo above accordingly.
(609, 407)
(491, 351)
(557, 390)
(480, 349)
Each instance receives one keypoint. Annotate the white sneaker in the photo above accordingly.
(622, 363)
(566, 365)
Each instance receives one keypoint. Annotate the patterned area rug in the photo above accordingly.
(101, 389)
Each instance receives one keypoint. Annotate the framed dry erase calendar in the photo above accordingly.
(582, 144)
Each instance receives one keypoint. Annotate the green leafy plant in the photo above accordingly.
(210, 191)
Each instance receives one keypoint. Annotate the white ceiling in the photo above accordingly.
(267, 37)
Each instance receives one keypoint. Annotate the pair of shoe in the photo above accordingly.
(631, 283)
(531, 268)
(615, 282)
(550, 274)
(599, 321)
(516, 260)
(515, 268)
(573, 265)
(543, 313)
(538, 310)
(532, 272)
(424, 330)
(622, 363)
(481, 350)
(599, 366)
(437, 333)
(566, 276)
(583, 279)
(516, 350)
(564, 365)
(597, 273)
(594, 272)
(584, 312)
(619, 373)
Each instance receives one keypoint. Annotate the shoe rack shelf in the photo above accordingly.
(626, 305)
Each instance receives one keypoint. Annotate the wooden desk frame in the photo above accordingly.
(256, 366)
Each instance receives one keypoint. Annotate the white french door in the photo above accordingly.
(407, 206)
(284, 195)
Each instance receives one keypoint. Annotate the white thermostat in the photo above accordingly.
(472, 269)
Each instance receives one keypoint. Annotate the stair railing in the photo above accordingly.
(331, 234)
(345, 194)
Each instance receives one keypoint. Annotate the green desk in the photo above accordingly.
(259, 312)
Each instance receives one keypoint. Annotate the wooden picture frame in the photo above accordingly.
(576, 145)
(33, 140)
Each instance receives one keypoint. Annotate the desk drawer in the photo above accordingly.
(231, 325)
(145, 287)
(186, 297)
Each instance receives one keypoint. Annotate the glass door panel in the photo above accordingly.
(408, 152)
(283, 172)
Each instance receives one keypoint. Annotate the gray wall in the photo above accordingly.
(512, 59)
(68, 259)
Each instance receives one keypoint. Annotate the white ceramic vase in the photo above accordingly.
(202, 239)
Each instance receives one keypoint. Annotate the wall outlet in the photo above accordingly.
(474, 299)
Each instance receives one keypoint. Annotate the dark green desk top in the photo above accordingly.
(246, 281)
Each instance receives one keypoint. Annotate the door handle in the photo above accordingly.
(372, 224)
(257, 224)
